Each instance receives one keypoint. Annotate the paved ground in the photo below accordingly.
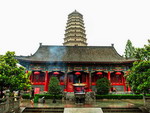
(98, 103)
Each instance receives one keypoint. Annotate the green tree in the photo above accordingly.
(12, 76)
(129, 50)
(143, 53)
(139, 74)
(103, 86)
(54, 88)
(139, 77)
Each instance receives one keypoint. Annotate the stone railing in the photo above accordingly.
(11, 104)
(147, 103)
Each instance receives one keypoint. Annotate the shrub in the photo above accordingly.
(26, 96)
(48, 96)
(102, 86)
(54, 88)
(120, 96)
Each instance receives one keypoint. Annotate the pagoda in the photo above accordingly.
(75, 62)
(75, 30)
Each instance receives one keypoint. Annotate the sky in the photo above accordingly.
(26, 23)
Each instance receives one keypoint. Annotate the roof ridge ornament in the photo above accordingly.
(40, 44)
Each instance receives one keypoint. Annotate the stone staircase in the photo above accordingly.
(122, 110)
(43, 110)
(61, 110)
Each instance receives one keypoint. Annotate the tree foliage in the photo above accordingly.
(54, 87)
(129, 50)
(139, 77)
(12, 76)
(139, 74)
(103, 86)
(143, 53)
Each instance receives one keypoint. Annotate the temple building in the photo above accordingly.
(75, 62)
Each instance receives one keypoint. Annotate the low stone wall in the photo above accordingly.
(147, 103)
(10, 105)
(88, 97)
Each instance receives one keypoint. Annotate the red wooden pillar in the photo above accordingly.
(90, 81)
(46, 82)
(70, 83)
(129, 89)
(65, 81)
(109, 78)
(87, 81)
(124, 82)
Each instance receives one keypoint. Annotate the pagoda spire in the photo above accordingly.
(75, 30)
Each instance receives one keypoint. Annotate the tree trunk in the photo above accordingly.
(1, 91)
(144, 98)
(54, 99)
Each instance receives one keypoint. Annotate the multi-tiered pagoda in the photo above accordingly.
(75, 30)
(75, 62)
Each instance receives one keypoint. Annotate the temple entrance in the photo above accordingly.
(37, 77)
(97, 75)
(80, 77)
(117, 81)
(60, 75)
(77, 77)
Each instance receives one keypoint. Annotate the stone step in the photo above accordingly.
(83, 110)
(42, 112)
(121, 110)
(42, 109)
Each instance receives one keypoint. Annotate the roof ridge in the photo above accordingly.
(75, 46)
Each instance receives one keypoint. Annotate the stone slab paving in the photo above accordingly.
(97, 104)
(83, 110)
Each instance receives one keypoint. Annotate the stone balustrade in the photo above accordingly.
(11, 104)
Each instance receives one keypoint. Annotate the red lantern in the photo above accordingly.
(99, 73)
(118, 73)
(65, 90)
(36, 73)
(56, 73)
(77, 73)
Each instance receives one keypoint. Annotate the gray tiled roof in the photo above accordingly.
(76, 54)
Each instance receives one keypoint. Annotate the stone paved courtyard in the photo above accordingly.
(99, 103)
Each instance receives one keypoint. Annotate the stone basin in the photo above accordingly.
(79, 84)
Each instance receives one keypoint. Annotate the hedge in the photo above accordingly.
(47, 96)
(121, 96)
(110, 96)
(26, 96)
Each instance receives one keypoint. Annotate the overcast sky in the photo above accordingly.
(26, 23)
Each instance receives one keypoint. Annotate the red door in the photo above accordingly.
(70, 83)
